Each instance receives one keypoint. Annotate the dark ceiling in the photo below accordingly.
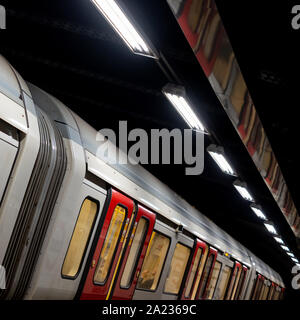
(68, 49)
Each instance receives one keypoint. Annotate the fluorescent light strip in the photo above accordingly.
(244, 192)
(279, 240)
(123, 26)
(222, 162)
(185, 111)
(285, 248)
(270, 228)
(259, 213)
(295, 260)
(290, 254)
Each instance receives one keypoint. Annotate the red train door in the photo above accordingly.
(127, 276)
(190, 283)
(120, 250)
(109, 247)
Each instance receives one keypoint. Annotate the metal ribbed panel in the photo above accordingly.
(44, 217)
(28, 208)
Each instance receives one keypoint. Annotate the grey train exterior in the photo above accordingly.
(50, 168)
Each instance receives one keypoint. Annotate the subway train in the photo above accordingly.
(75, 226)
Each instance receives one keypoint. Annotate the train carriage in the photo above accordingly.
(73, 225)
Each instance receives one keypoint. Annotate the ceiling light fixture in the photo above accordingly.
(114, 14)
(279, 240)
(218, 154)
(258, 211)
(270, 227)
(177, 96)
(285, 248)
(241, 187)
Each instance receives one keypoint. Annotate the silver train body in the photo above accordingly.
(49, 165)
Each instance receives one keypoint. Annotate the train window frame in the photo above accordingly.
(163, 265)
(229, 287)
(88, 238)
(138, 256)
(255, 289)
(228, 281)
(221, 268)
(185, 270)
(116, 247)
(200, 249)
(199, 289)
(243, 282)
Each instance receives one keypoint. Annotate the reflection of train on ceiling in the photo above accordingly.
(72, 226)
(200, 21)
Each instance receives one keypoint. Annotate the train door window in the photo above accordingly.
(154, 262)
(237, 280)
(271, 292)
(193, 272)
(80, 238)
(257, 288)
(137, 243)
(213, 281)
(264, 292)
(177, 269)
(233, 281)
(199, 273)
(224, 281)
(110, 244)
(238, 296)
(205, 276)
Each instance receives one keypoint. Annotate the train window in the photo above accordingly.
(199, 274)
(214, 278)
(154, 262)
(236, 283)
(205, 276)
(80, 238)
(257, 288)
(224, 281)
(238, 296)
(110, 245)
(177, 268)
(271, 293)
(135, 250)
(193, 273)
(264, 292)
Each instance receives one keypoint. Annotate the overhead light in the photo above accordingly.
(290, 254)
(285, 248)
(258, 211)
(270, 227)
(218, 154)
(177, 96)
(298, 265)
(279, 240)
(241, 187)
(295, 260)
(125, 28)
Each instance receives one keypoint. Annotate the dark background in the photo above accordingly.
(69, 50)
